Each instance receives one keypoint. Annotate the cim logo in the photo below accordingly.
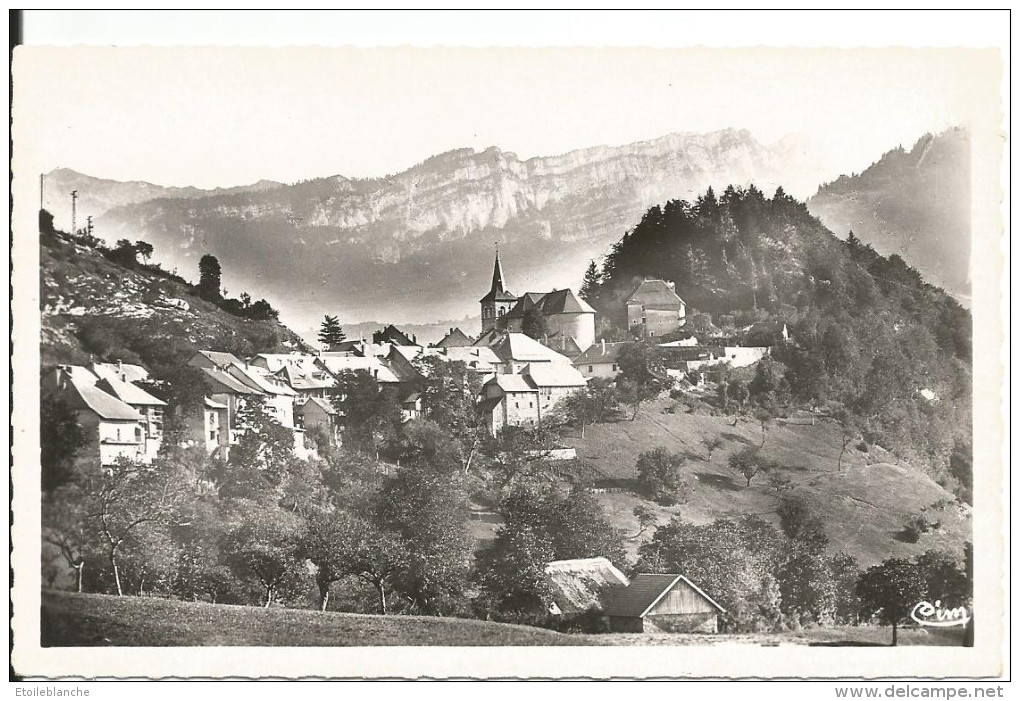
(928, 614)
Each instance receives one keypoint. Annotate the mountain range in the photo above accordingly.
(418, 245)
(915, 204)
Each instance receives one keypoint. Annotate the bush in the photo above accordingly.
(915, 526)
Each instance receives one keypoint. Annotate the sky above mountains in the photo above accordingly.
(223, 117)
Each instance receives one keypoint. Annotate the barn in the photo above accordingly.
(666, 603)
(580, 585)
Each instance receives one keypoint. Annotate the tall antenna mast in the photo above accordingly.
(74, 212)
(42, 180)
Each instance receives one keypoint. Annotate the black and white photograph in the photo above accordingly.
(583, 361)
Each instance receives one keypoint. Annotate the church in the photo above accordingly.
(568, 318)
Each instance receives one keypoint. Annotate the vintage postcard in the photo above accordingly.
(579, 362)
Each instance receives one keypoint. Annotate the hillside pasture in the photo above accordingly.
(864, 505)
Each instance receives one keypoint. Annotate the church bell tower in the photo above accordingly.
(499, 300)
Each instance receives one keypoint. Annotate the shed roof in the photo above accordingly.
(578, 585)
(644, 591)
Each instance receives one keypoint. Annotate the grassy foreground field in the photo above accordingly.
(80, 620)
(87, 620)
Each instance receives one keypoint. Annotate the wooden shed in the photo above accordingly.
(668, 603)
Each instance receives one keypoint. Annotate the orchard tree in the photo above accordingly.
(749, 462)
(365, 409)
(264, 545)
(849, 432)
(68, 526)
(891, 590)
(331, 333)
(127, 496)
(660, 473)
(712, 444)
(448, 391)
(427, 511)
(511, 571)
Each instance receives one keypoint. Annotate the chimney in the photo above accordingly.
(375, 373)
(120, 371)
(414, 339)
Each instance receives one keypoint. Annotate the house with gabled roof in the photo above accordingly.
(455, 338)
(149, 407)
(655, 309)
(668, 603)
(319, 419)
(515, 350)
(391, 334)
(600, 360)
(125, 372)
(112, 429)
(508, 400)
(554, 382)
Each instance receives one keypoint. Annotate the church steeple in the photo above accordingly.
(499, 300)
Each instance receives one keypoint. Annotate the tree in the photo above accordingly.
(712, 444)
(209, 279)
(340, 544)
(127, 496)
(448, 391)
(427, 511)
(64, 438)
(634, 395)
(944, 579)
(264, 545)
(259, 462)
(591, 404)
(849, 432)
(798, 523)
(331, 333)
(749, 462)
(645, 517)
(511, 571)
(591, 283)
(660, 473)
(517, 453)
(144, 249)
(365, 409)
(124, 253)
(68, 527)
(763, 415)
(534, 323)
(891, 590)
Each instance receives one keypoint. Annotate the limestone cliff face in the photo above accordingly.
(418, 244)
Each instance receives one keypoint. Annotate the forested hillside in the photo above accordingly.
(868, 333)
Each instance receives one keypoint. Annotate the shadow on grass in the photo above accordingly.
(717, 481)
(737, 439)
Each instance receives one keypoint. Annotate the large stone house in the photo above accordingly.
(508, 400)
(517, 350)
(554, 382)
(655, 309)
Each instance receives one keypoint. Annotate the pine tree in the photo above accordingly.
(331, 333)
(591, 283)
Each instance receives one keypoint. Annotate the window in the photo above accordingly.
(614, 367)
(138, 434)
(212, 435)
(591, 369)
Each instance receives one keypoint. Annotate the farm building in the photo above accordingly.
(583, 584)
(668, 603)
